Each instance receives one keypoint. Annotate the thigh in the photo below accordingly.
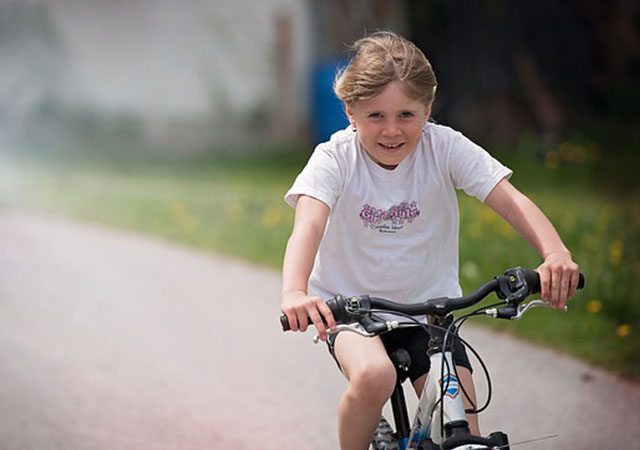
(356, 353)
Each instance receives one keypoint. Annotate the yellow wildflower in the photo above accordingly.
(594, 306)
(506, 230)
(488, 216)
(573, 153)
(623, 330)
(474, 229)
(271, 217)
(176, 209)
(181, 215)
(551, 160)
(615, 252)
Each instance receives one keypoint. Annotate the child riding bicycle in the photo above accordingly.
(376, 212)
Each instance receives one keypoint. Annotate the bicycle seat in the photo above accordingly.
(402, 362)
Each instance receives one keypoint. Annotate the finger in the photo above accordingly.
(327, 314)
(573, 285)
(303, 320)
(316, 318)
(545, 281)
(564, 290)
(556, 280)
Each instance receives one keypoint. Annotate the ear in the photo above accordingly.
(427, 114)
(349, 110)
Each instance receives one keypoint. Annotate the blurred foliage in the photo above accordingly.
(603, 233)
(593, 198)
(506, 68)
(233, 204)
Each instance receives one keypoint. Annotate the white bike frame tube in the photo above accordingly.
(427, 418)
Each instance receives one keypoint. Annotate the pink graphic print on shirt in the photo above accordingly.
(391, 220)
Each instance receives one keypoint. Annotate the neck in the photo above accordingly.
(387, 166)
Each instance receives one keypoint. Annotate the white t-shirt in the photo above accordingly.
(393, 233)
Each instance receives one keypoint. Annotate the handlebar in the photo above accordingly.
(513, 287)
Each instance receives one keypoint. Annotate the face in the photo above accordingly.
(389, 125)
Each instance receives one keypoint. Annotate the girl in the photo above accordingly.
(376, 213)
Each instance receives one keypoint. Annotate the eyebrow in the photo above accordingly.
(372, 111)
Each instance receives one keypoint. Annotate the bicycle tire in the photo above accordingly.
(383, 438)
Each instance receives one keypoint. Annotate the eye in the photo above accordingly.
(375, 115)
(406, 114)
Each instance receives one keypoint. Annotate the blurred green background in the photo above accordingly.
(190, 122)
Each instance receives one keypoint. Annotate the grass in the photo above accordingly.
(234, 206)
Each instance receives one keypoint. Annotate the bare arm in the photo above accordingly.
(308, 229)
(558, 273)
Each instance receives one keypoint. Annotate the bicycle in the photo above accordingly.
(439, 421)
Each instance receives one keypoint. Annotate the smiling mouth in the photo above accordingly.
(391, 146)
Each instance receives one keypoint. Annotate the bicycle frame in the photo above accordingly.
(441, 393)
(440, 406)
(427, 417)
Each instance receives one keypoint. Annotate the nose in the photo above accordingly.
(391, 128)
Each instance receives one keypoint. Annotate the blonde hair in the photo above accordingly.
(379, 59)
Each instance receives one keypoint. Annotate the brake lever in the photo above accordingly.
(357, 328)
(352, 327)
(521, 309)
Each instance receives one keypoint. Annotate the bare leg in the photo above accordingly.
(466, 380)
(372, 379)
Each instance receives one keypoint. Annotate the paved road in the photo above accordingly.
(112, 340)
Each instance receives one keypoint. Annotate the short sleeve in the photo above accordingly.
(473, 169)
(321, 178)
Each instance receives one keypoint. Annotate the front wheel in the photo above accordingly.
(383, 438)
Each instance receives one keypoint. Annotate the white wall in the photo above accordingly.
(207, 62)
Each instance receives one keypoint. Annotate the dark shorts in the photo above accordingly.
(416, 341)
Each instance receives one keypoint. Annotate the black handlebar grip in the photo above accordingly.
(581, 281)
(284, 321)
(533, 280)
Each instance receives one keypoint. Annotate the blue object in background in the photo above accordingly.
(327, 112)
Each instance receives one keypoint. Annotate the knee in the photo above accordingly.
(374, 383)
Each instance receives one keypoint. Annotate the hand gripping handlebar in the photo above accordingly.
(512, 287)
